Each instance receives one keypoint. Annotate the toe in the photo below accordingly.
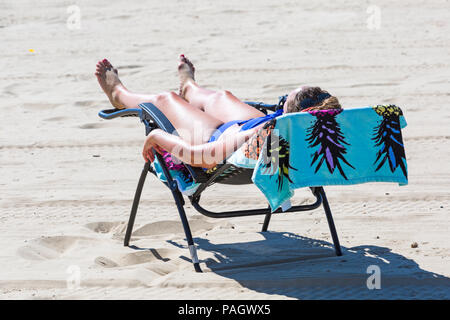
(99, 69)
(189, 63)
(184, 60)
(107, 63)
(181, 64)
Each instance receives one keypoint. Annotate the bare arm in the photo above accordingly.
(206, 155)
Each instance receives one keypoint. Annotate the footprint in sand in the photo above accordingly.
(173, 227)
(107, 227)
(161, 261)
(105, 262)
(51, 247)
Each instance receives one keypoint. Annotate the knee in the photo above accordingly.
(172, 95)
(165, 97)
(225, 94)
(222, 94)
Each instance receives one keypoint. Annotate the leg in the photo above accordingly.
(187, 230)
(222, 105)
(179, 201)
(192, 124)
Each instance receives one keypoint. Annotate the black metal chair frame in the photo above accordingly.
(225, 174)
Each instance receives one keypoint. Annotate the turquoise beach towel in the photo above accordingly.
(331, 147)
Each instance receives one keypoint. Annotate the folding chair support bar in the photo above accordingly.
(254, 212)
(334, 236)
(137, 198)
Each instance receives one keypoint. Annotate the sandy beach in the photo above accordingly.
(67, 177)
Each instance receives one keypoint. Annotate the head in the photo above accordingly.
(310, 98)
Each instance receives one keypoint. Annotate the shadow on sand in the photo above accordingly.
(297, 267)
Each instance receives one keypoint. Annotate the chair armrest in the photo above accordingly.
(264, 107)
(109, 114)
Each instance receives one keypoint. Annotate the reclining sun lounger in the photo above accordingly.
(328, 157)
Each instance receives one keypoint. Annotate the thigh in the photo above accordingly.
(226, 107)
(192, 124)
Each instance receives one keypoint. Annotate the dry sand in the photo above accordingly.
(68, 177)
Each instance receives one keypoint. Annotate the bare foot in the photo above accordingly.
(108, 79)
(186, 72)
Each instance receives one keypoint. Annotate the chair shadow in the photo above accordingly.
(298, 267)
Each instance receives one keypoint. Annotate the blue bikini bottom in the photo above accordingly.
(222, 129)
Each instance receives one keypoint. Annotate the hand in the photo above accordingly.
(149, 145)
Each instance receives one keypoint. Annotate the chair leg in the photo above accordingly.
(178, 197)
(137, 198)
(187, 230)
(334, 236)
(266, 221)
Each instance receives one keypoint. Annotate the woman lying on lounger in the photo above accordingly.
(211, 125)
